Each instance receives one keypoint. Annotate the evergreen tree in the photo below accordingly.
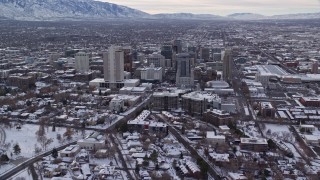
(54, 153)
(16, 149)
(181, 155)
(4, 158)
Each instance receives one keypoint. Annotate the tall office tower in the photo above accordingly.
(205, 54)
(177, 46)
(216, 50)
(113, 65)
(157, 59)
(227, 64)
(82, 62)
(128, 58)
(184, 74)
(192, 49)
(166, 51)
(217, 57)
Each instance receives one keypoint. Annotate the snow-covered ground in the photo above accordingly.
(282, 135)
(278, 132)
(24, 174)
(5, 167)
(27, 139)
(293, 150)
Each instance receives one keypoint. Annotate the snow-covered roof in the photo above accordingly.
(237, 176)
(219, 157)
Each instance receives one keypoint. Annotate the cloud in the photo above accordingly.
(223, 7)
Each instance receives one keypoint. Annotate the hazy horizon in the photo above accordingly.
(222, 7)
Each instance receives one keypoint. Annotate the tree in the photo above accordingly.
(203, 167)
(37, 149)
(271, 144)
(154, 156)
(4, 158)
(101, 120)
(174, 164)
(145, 163)
(44, 141)
(137, 168)
(54, 153)
(28, 103)
(206, 151)
(59, 137)
(123, 127)
(68, 134)
(16, 149)
(181, 155)
(183, 130)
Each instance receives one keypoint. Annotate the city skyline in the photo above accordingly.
(218, 7)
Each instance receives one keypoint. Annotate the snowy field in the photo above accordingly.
(27, 138)
(281, 133)
(278, 132)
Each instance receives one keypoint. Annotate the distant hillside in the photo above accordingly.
(251, 16)
(187, 16)
(59, 9)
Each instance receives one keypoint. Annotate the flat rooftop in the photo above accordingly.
(254, 141)
(271, 70)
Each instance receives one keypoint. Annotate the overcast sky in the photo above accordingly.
(222, 7)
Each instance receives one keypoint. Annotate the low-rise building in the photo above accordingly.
(212, 138)
(165, 101)
(116, 104)
(254, 144)
(70, 151)
(310, 101)
(267, 110)
(307, 128)
(151, 74)
(21, 81)
(218, 117)
(93, 142)
(141, 123)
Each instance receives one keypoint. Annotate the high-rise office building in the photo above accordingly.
(184, 70)
(113, 63)
(128, 58)
(227, 64)
(166, 51)
(157, 60)
(205, 54)
(82, 62)
(177, 46)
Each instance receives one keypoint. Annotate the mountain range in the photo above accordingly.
(91, 9)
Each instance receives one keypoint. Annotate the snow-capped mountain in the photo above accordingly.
(187, 16)
(298, 16)
(252, 16)
(246, 16)
(61, 9)
(95, 9)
